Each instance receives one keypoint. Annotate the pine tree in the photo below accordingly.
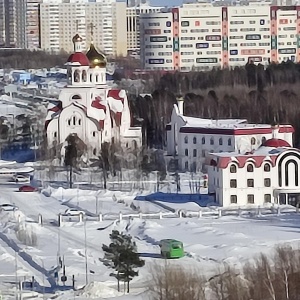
(122, 256)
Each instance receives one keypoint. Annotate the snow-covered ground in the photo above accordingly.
(208, 240)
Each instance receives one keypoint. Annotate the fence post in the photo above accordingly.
(180, 214)
(160, 215)
(200, 213)
(220, 213)
(80, 217)
(59, 220)
(259, 211)
(40, 220)
(120, 217)
(100, 218)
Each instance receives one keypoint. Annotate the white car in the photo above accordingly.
(8, 207)
(20, 178)
(73, 212)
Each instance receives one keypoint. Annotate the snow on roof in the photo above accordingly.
(222, 123)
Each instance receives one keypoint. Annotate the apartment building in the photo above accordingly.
(202, 36)
(104, 22)
(32, 24)
(13, 23)
(133, 24)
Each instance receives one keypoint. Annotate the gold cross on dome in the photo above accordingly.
(92, 26)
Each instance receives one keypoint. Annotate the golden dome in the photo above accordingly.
(97, 59)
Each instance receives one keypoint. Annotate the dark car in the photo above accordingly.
(27, 188)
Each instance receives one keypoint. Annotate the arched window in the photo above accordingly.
(229, 142)
(186, 152)
(76, 97)
(212, 141)
(134, 144)
(55, 134)
(74, 120)
(186, 139)
(267, 167)
(203, 140)
(233, 168)
(94, 151)
(220, 141)
(97, 78)
(194, 140)
(253, 141)
(186, 165)
(250, 168)
(263, 139)
(79, 122)
(77, 76)
(84, 76)
(94, 133)
(91, 77)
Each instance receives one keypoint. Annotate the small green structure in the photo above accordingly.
(170, 248)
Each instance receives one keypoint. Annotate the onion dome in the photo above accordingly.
(77, 38)
(276, 143)
(96, 58)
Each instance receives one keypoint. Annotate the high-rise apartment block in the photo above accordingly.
(104, 22)
(201, 36)
(13, 23)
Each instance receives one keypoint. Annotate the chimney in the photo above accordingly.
(180, 102)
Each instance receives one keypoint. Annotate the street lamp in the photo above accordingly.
(85, 254)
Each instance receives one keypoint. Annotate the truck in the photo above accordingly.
(170, 248)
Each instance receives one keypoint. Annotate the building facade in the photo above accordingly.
(201, 36)
(267, 175)
(89, 109)
(190, 140)
(104, 22)
(32, 24)
(13, 23)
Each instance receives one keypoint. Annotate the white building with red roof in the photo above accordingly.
(190, 140)
(269, 174)
(88, 108)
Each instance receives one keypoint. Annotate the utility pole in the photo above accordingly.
(85, 254)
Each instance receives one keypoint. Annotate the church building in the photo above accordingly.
(88, 108)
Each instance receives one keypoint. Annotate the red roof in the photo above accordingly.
(80, 58)
(276, 143)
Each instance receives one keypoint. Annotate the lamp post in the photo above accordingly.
(85, 254)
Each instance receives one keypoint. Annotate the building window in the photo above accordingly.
(267, 198)
(233, 169)
(249, 168)
(186, 152)
(263, 139)
(233, 183)
(220, 141)
(233, 199)
(253, 141)
(194, 140)
(250, 199)
(229, 142)
(267, 168)
(203, 153)
(94, 133)
(55, 134)
(186, 139)
(186, 165)
(212, 141)
(79, 122)
(195, 153)
(267, 182)
(94, 151)
(250, 182)
(203, 140)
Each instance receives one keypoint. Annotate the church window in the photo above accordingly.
(94, 151)
(55, 134)
(229, 142)
(91, 77)
(212, 141)
(126, 145)
(94, 133)
(253, 141)
(249, 168)
(203, 140)
(194, 140)
(134, 144)
(186, 139)
(84, 76)
(74, 120)
(220, 141)
(69, 122)
(79, 122)
(263, 139)
(233, 169)
(186, 152)
(267, 168)
(97, 77)
(76, 76)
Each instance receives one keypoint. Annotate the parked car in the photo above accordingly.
(20, 178)
(27, 188)
(8, 207)
(73, 212)
(170, 248)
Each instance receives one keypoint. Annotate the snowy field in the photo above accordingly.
(208, 240)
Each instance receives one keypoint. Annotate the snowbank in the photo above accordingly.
(99, 290)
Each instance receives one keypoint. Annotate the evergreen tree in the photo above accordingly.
(71, 156)
(121, 255)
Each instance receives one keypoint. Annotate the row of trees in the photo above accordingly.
(274, 278)
(261, 95)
